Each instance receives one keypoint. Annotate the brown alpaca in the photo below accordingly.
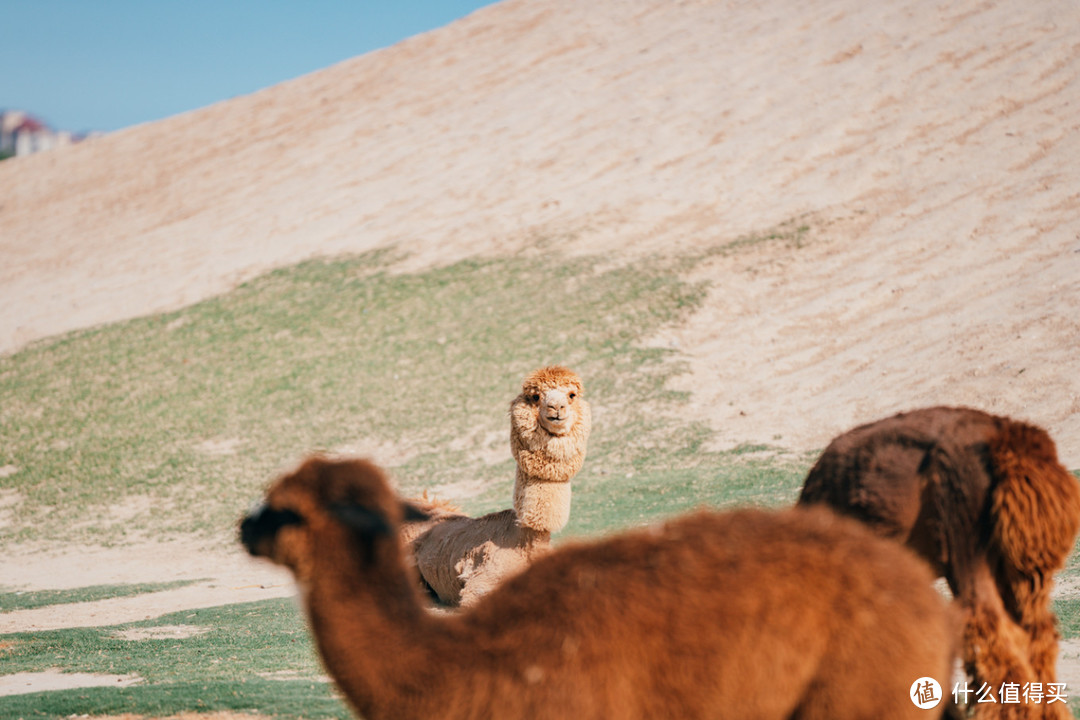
(985, 500)
(747, 614)
(461, 558)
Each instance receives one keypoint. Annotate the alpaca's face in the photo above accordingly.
(557, 409)
(279, 535)
(321, 505)
(550, 404)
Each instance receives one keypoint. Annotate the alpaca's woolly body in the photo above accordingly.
(437, 510)
(984, 499)
(485, 550)
(768, 615)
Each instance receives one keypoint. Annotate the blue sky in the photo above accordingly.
(85, 65)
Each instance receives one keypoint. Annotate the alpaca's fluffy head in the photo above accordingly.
(347, 500)
(551, 399)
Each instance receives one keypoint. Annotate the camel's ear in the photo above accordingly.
(361, 519)
(413, 513)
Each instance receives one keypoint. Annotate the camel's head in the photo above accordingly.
(324, 505)
(554, 395)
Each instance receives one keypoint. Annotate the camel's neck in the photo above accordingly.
(376, 639)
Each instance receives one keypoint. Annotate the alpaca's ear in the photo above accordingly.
(413, 513)
(361, 519)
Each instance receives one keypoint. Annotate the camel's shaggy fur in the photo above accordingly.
(461, 558)
(748, 614)
(985, 500)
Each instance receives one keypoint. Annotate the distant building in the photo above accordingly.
(24, 134)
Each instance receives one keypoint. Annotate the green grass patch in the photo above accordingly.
(1067, 610)
(19, 600)
(171, 424)
(792, 234)
(298, 699)
(604, 502)
(234, 642)
(249, 657)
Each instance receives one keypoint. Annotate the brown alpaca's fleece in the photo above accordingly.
(748, 614)
(985, 500)
(461, 558)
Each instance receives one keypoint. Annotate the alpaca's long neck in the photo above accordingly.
(541, 506)
(542, 483)
(376, 639)
(545, 466)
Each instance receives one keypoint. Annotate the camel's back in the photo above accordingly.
(879, 472)
(801, 602)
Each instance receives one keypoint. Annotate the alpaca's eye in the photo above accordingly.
(535, 398)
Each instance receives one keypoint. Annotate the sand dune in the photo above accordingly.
(932, 149)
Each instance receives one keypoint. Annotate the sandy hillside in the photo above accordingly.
(934, 149)
(931, 148)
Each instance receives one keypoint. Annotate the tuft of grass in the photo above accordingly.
(1067, 610)
(19, 600)
(791, 234)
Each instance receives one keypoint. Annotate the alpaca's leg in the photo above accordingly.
(995, 648)
(1034, 614)
(995, 652)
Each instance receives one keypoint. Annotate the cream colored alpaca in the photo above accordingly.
(549, 429)
(462, 558)
(436, 510)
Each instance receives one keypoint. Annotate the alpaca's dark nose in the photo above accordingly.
(262, 523)
(248, 528)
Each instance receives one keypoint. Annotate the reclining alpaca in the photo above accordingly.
(985, 500)
(461, 558)
(744, 615)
